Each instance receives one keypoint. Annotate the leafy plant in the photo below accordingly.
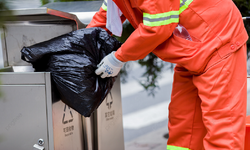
(244, 7)
(47, 1)
(153, 69)
(5, 13)
(70, 0)
(152, 64)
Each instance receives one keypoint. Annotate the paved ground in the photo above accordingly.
(151, 141)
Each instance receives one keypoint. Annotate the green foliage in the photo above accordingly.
(247, 26)
(5, 13)
(70, 0)
(244, 7)
(153, 69)
(47, 1)
(127, 30)
(152, 64)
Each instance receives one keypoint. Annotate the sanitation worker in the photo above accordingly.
(208, 102)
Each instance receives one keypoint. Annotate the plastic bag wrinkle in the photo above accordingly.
(72, 59)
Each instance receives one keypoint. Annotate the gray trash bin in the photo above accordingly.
(31, 118)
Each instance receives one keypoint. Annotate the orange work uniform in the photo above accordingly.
(208, 102)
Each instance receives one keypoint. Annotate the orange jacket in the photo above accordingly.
(212, 24)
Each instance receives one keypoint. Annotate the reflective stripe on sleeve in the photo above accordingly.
(104, 5)
(165, 18)
(184, 5)
(160, 19)
(171, 147)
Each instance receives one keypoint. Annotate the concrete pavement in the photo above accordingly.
(151, 141)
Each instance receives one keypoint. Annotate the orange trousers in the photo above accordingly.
(208, 111)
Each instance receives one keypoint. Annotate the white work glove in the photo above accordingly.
(110, 66)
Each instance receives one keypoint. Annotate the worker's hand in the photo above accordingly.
(110, 66)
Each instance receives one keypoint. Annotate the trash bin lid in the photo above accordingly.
(84, 10)
(29, 27)
(46, 14)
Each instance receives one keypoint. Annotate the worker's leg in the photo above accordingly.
(186, 128)
(222, 89)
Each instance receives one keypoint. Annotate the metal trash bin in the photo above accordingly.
(31, 116)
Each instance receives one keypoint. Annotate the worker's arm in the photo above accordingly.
(100, 18)
(160, 18)
(110, 65)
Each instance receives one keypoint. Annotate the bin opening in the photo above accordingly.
(17, 69)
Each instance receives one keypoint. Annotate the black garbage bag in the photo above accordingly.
(72, 59)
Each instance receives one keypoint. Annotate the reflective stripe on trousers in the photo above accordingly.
(171, 147)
